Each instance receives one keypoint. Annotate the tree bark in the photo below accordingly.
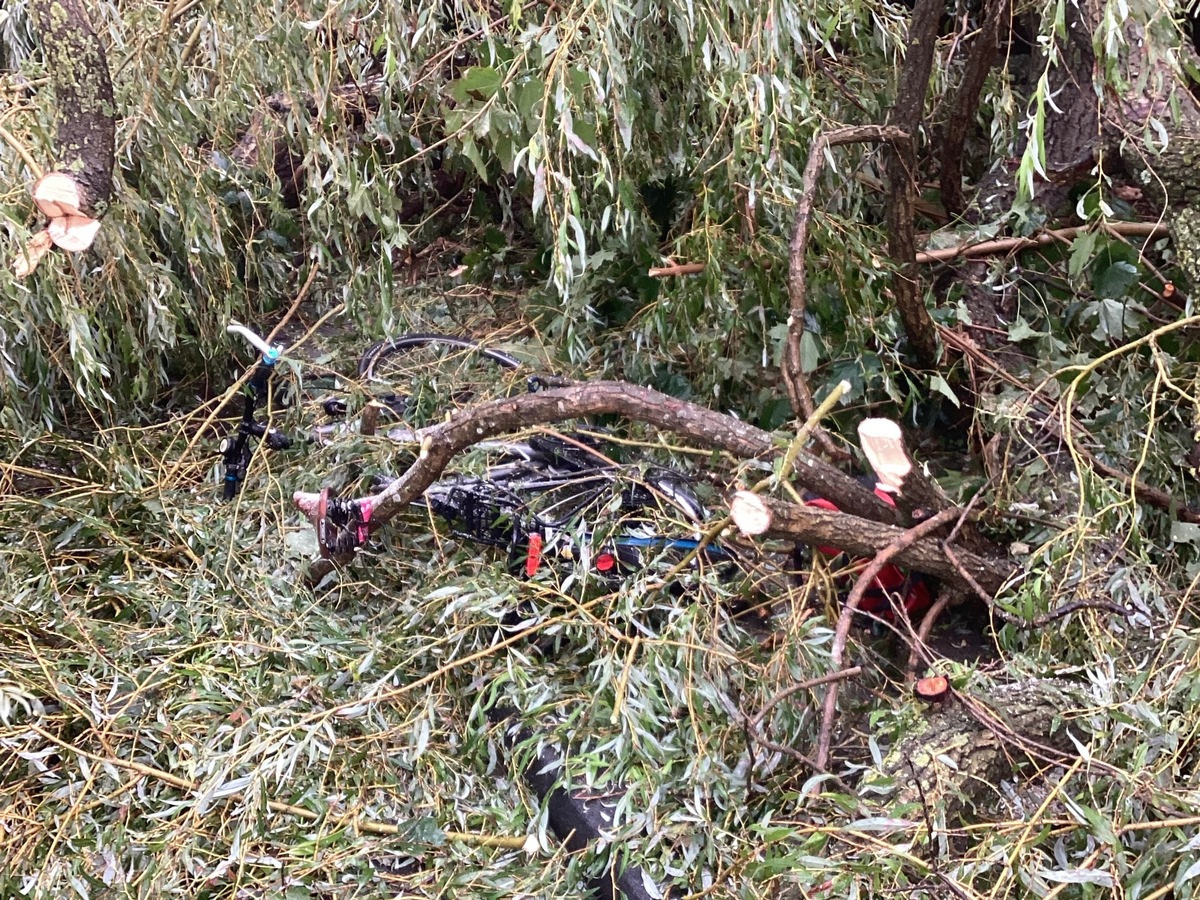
(859, 537)
(951, 763)
(966, 103)
(902, 173)
(795, 380)
(440, 443)
(85, 113)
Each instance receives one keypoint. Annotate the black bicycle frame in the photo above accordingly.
(237, 450)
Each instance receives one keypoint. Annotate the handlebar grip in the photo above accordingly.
(231, 486)
(254, 340)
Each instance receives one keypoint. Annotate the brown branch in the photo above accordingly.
(903, 542)
(863, 538)
(907, 114)
(677, 269)
(793, 369)
(920, 641)
(828, 678)
(1151, 230)
(966, 102)
(466, 427)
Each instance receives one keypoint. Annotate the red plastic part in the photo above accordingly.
(890, 578)
(533, 556)
(605, 562)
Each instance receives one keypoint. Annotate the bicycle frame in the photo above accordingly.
(236, 451)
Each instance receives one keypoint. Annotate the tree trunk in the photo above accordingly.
(76, 194)
(952, 764)
(902, 178)
(86, 113)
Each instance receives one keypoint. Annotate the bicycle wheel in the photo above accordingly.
(428, 375)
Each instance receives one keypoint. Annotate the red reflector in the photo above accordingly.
(605, 562)
(533, 558)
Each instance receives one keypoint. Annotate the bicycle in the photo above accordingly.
(539, 498)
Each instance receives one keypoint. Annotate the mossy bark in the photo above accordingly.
(952, 764)
(85, 114)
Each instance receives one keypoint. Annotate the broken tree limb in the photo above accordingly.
(903, 540)
(1150, 230)
(864, 538)
(76, 195)
(677, 269)
(707, 428)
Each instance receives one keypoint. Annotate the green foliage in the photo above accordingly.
(594, 137)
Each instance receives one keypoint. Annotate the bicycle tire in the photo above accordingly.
(431, 373)
(374, 354)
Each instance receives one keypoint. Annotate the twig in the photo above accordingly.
(811, 426)
(1005, 245)
(1038, 621)
(18, 148)
(350, 822)
(921, 640)
(867, 578)
(794, 378)
(677, 269)
(828, 678)
(1147, 494)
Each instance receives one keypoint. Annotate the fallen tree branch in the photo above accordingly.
(677, 269)
(466, 427)
(903, 541)
(864, 538)
(1150, 230)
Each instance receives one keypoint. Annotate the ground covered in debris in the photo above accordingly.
(729, 231)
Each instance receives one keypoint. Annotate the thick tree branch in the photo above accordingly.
(707, 428)
(967, 102)
(902, 170)
(860, 537)
(76, 195)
